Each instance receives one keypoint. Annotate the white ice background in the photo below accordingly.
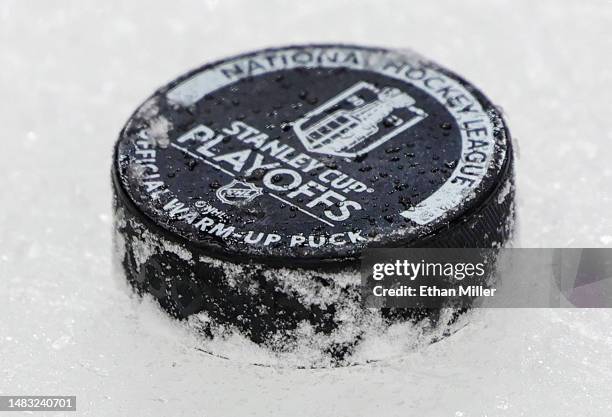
(71, 72)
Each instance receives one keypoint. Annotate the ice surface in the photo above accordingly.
(71, 72)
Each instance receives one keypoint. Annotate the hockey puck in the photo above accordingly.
(246, 190)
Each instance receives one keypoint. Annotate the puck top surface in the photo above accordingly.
(311, 152)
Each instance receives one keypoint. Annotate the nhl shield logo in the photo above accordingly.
(238, 192)
(358, 120)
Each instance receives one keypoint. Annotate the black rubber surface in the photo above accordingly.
(351, 142)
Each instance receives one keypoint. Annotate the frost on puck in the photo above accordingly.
(246, 190)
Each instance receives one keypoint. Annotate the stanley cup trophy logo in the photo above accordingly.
(358, 120)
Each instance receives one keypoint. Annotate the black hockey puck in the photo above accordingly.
(247, 189)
